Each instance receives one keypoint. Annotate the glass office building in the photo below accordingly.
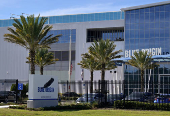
(147, 28)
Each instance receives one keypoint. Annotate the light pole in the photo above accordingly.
(69, 75)
(22, 14)
(69, 72)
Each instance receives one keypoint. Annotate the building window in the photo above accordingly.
(65, 38)
(111, 34)
(64, 55)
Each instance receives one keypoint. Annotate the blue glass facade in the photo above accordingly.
(65, 38)
(147, 28)
(75, 18)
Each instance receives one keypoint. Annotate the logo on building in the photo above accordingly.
(153, 51)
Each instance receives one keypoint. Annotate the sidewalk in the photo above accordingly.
(7, 106)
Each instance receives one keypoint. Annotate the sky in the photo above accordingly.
(14, 8)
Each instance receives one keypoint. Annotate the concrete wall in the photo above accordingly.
(12, 59)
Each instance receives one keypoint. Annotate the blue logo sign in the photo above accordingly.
(48, 89)
(20, 86)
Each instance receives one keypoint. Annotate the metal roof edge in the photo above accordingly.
(146, 5)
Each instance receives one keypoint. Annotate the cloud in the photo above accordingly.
(83, 9)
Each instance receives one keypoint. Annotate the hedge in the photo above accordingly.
(84, 106)
(141, 105)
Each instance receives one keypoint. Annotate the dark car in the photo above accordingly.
(162, 98)
(114, 97)
(70, 94)
(6, 96)
(140, 96)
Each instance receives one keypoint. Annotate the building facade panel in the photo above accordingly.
(12, 59)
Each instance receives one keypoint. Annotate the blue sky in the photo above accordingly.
(62, 7)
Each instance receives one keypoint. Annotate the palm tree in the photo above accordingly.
(43, 58)
(90, 64)
(142, 61)
(103, 53)
(31, 34)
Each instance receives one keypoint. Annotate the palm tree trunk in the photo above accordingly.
(32, 56)
(103, 72)
(41, 70)
(142, 81)
(91, 85)
(103, 79)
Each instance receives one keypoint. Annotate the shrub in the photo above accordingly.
(95, 104)
(65, 107)
(19, 107)
(141, 105)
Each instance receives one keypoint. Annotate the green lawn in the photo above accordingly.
(16, 112)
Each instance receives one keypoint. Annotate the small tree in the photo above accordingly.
(89, 63)
(23, 92)
(43, 58)
(27, 87)
(13, 87)
(142, 61)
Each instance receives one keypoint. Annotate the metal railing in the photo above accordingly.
(117, 93)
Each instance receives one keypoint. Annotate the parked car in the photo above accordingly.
(140, 96)
(18, 95)
(113, 97)
(70, 94)
(91, 97)
(84, 98)
(6, 96)
(162, 98)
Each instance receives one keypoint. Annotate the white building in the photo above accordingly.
(84, 29)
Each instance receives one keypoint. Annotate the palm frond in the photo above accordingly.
(142, 60)
(31, 33)
(88, 62)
